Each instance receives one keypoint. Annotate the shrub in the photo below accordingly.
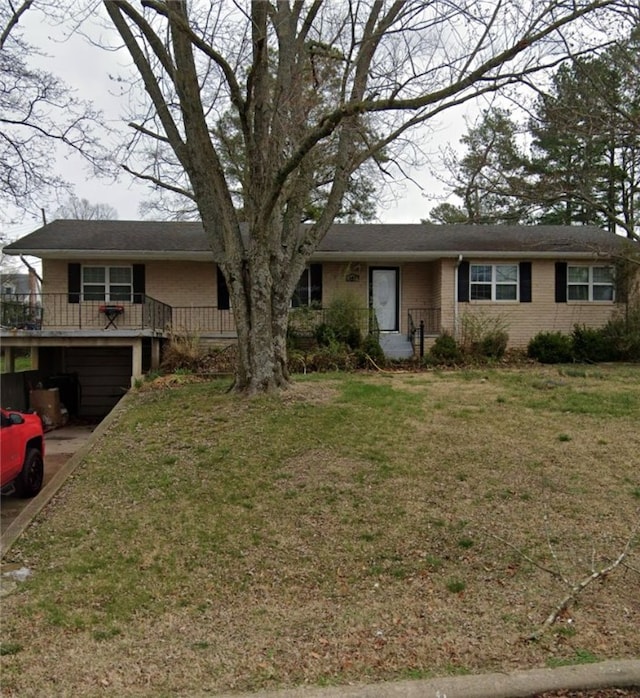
(343, 317)
(494, 344)
(623, 331)
(445, 349)
(593, 345)
(336, 357)
(325, 335)
(370, 348)
(551, 348)
(484, 335)
(183, 352)
(301, 327)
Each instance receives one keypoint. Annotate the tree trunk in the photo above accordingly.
(260, 304)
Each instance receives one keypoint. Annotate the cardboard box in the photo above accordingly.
(47, 404)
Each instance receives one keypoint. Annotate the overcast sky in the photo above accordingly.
(87, 69)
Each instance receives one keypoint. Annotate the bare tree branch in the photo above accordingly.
(13, 20)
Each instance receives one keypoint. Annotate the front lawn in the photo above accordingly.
(358, 528)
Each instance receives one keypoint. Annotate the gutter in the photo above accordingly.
(318, 256)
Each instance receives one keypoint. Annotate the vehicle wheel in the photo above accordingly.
(29, 482)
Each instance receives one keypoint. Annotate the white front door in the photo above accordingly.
(384, 297)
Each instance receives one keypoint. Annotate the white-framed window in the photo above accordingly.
(493, 282)
(308, 291)
(590, 283)
(107, 283)
(302, 295)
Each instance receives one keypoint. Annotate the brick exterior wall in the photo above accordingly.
(173, 283)
(525, 320)
(423, 285)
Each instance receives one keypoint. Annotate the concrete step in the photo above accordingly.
(396, 346)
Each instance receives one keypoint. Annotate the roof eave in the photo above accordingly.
(318, 255)
(323, 256)
(182, 255)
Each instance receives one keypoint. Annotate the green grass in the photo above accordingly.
(21, 363)
(325, 536)
(579, 657)
(9, 648)
(456, 586)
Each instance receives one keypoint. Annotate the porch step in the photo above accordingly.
(396, 346)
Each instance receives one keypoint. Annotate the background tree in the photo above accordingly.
(489, 174)
(446, 213)
(584, 161)
(82, 209)
(402, 63)
(586, 147)
(37, 112)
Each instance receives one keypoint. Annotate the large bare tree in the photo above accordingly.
(400, 64)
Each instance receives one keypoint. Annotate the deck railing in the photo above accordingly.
(428, 318)
(53, 311)
(203, 320)
(304, 321)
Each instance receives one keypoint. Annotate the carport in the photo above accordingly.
(92, 373)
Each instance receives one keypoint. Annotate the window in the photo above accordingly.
(107, 283)
(309, 289)
(589, 283)
(302, 294)
(494, 282)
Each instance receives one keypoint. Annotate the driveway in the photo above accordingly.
(60, 445)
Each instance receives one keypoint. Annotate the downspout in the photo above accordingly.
(456, 310)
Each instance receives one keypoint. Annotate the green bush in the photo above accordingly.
(593, 345)
(325, 335)
(445, 350)
(551, 348)
(494, 344)
(370, 349)
(623, 332)
(343, 317)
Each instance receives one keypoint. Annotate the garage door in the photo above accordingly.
(104, 375)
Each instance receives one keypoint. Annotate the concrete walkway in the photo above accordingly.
(519, 684)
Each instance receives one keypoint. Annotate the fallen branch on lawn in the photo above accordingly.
(578, 588)
(575, 589)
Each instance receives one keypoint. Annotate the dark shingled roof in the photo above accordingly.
(104, 236)
(76, 236)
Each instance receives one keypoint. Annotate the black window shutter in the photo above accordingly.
(561, 282)
(315, 282)
(622, 283)
(525, 282)
(223, 291)
(74, 274)
(463, 282)
(138, 283)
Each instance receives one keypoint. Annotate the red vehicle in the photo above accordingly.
(21, 453)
